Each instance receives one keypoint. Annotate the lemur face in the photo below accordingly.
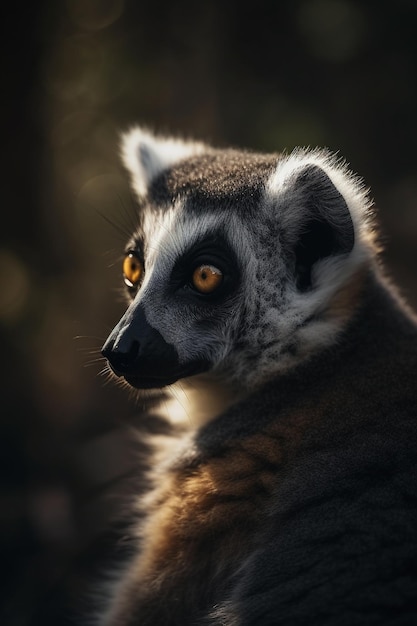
(235, 262)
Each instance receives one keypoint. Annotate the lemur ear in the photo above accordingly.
(146, 155)
(317, 223)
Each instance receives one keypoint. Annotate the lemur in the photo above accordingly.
(296, 504)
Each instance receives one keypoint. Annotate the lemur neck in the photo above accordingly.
(193, 402)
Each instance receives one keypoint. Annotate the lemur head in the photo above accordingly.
(238, 261)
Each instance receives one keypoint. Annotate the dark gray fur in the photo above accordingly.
(215, 180)
(327, 534)
(339, 546)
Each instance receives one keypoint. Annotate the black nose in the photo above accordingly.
(123, 356)
(138, 351)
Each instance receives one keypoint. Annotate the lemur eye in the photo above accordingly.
(206, 278)
(133, 270)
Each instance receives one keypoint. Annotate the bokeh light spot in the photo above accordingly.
(95, 14)
(14, 286)
(333, 29)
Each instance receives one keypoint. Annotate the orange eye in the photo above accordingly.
(132, 270)
(206, 278)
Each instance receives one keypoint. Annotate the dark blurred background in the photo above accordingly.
(264, 75)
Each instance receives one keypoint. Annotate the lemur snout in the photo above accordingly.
(139, 353)
(135, 349)
(121, 357)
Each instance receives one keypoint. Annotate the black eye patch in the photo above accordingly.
(212, 251)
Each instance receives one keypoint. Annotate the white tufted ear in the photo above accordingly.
(288, 182)
(323, 212)
(146, 155)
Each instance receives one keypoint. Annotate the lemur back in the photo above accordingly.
(297, 504)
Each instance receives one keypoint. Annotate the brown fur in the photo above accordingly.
(202, 521)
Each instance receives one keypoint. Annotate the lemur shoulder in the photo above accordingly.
(297, 504)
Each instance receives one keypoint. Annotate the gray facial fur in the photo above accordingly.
(279, 217)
